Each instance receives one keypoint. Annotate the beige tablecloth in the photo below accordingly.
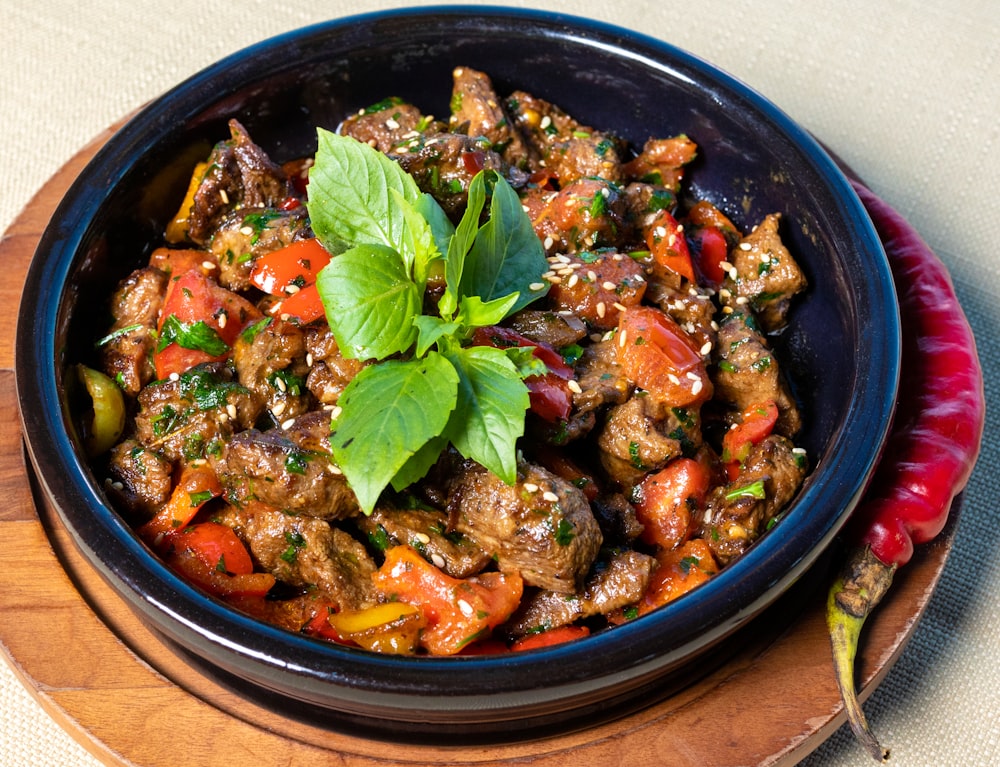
(906, 91)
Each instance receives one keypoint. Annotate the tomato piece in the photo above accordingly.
(710, 250)
(550, 638)
(704, 214)
(657, 355)
(458, 611)
(549, 394)
(196, 487)
(679, 570)
(668, 245)
(756, 422)
(305, 305)
(209, 318)
(667, 498)
(190, 566)
(176, 261)
(218, 546)
(295, 265)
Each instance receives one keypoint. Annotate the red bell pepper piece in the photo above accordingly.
(667, 243)
(755, 423)
(550, 638)
(667, 498)
(196, 487)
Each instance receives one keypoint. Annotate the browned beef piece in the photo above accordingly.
(184, 418)
(388, 123)
(690, 308)
(644, 200)
(616, 517)
(602, 382)
(135, 306)
(426, 530)
(306, 552)
(239, 175)
(734, 515)
(245, 235)
(290, 469)
(595, 286)
(443, 165)
(557, 329)
(141, 479)
(644, 435)
(586, 214)
(271, 363)
(746, 374)
(766, 274)
(329, 371)
(541, 526)
(478, 111)
(616, 583)
(567, 148)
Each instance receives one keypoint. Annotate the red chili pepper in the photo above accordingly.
(929, 453)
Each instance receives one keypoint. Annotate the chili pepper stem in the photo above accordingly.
(852, 597)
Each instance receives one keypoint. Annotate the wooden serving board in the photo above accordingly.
(131, 700)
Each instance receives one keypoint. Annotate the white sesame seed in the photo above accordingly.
(280, 383)
(536, 286)
(725, 293)
(391, 124)
(727, 310)
(592, 275)
(765, 258)
(602, 309)
(548, 243)
(465, 607)
(706, 348)
(291, 290)
(673, 379)
(246, 231)
(223, 418)
(692, 376)
(175, 376)
(671, 240)
(530, 487)
(563, 258)
(621, 339)
(742, 300)
(231, 410)
(286, 425)
(335, 469)
(223, 319)
(660, 232)
(207, 265)
(545, 123)
(555, 280)
(799, 450)
(617, 257)
(574, 278)
(549, 496)
(424, 538)
(608, 285)
(223, 196)
(574, 386)
(285, 316)
(278, 409)
(335, 412)
(438, 561)
(620, 307)
(696, 388)
(746, 246)
(309, 359)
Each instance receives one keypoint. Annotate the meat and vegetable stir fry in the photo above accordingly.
(512, 387)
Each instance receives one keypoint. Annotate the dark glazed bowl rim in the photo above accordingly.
(412, 689)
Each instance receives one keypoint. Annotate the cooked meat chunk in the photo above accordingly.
(586, 214)
(426, 530)
(135, 306)
(541, 526)
(602, 382)
(271, 363)
(478, 111)
(306, 552)
(141, 479)
(387, 124)
(766, 274)
(738, 514)
(329, 371)
(557, 329)
(182, 419)
(566, 148)
(643, 201)
(618, 582)
(643, 435)
(746, 373)
(662, 161)
(443, 165)
(290, 469)
(245, 235)
(616, 518)
(595, 287)
(239, 175)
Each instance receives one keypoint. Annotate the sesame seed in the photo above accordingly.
(291, 289)
(280, 383)
(207, 266)
(391, 124)
(278, 409)
(335, 469)
(438, 561)
(621, 339)
(231, 410)
(285, 316)
(742, 300)
(725, 293)
(713, 325)
(706, 348)
(602, 309)
(696, 388)
(660, 231)
(592, 275)
(223, 319)
(608, 285)
(673, 379)
(608, 336)
(286, 425)
(619, 307)
(549, 496)
(574, 278)
(555, 280)
(765, 258)
(223, 418)
(536, 286)
(617, 257)
(335, 412)
(727, 310)
(574, 386)
(746, 246)
(246, 231)
(545, 123)
(309, 359)
(562, 257)
(223, 196)
(692, 376)
(799, 450)
(175, 376)
(671, 240)
(465, 607)
(708, 516)
(530, 487)
(547, 243)
(725, 266)
(549, 274)
(422, 537)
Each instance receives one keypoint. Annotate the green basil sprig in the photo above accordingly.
(427, 387)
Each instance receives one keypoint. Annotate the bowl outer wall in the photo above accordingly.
(99, 229)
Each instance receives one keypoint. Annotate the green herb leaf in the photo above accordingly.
(460, 244)
(474, 312)
(389, 412)
(198, 336)
(370, 302)
(350, 195)
(489, 414)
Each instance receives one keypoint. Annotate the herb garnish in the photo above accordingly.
(429, 387)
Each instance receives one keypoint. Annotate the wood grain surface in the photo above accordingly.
(131, 700)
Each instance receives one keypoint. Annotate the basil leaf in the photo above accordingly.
(430, 329)
(370, 302)
(419, 464)
(198, 336)
(418, 246)
(474, 312)
(389, 412)
(350, 195)
(441, 228)
(489, 416)
(461, 243)
(507, 256)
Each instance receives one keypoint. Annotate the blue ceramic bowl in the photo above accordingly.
(841, 350)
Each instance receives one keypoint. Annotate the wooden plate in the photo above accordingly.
(768, 698)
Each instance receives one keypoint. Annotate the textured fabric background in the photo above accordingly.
(906, 91)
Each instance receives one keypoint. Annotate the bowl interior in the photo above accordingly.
(841, 350)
